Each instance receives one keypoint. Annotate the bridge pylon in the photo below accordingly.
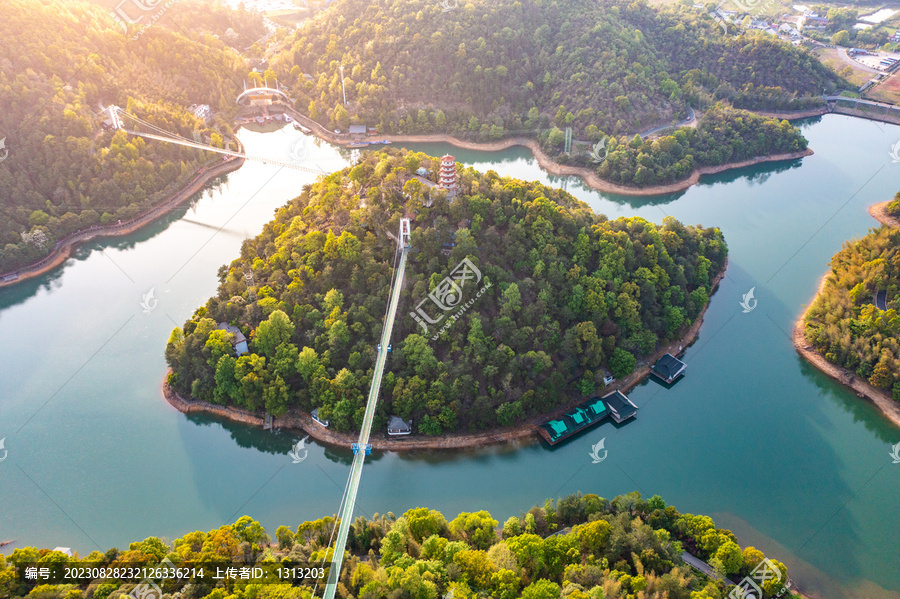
(404, 236)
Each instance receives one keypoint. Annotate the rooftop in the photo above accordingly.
(668, 367)
(620, 406)
(238, 335)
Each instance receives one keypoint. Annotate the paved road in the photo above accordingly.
(861, 101)
(699, 564)
(686, 121)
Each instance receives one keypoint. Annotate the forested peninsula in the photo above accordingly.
(63, 171)
(621, 549)
(852, 327)
(567, 295)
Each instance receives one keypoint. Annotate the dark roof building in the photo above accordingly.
(620, 407)
(668, 368)
(239, 342)
(397, 426)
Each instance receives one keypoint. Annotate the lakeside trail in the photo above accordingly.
(548, 164)
(848, 378)
(379, 440)
(67, 244)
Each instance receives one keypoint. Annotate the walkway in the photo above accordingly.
(264, 159)
(346, 515)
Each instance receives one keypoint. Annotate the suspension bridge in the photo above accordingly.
(362, 448)
(118, 116)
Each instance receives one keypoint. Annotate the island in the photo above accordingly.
(580, 547)
(850, 330)
(560, 302)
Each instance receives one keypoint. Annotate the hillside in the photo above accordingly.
(63, 172)
(566, 293)
(487, 68)
(845, 325)
(620, 549)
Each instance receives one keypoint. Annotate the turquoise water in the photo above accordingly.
(752, 436)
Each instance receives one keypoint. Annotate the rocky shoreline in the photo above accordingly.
(525, 431)
(848, 378)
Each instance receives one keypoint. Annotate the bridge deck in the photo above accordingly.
(346, 515)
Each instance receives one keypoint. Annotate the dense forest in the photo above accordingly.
(488, 68)
(63, 172)
(627, 548)
(846, 326)
(569, 293)
(723, 136)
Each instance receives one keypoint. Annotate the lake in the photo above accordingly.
(752, 436)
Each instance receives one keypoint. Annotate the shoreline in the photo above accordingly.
(554, 168)
(849, 379)
(62, 253)
(526, 430)
(589, 177)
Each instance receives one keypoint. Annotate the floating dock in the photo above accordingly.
(585, 415)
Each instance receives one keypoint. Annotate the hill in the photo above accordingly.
(63, 171)
(566, 293)
(489, 68)
(619, 549)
